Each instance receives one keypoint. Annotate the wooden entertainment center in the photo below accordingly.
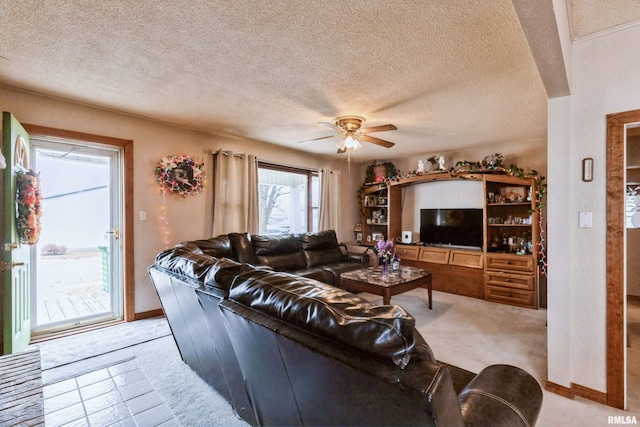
(503, 271)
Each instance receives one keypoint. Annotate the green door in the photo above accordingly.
(15, 262)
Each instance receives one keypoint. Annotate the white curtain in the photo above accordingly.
(235, 199)
(330, 201)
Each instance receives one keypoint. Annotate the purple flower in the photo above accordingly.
(385, 249)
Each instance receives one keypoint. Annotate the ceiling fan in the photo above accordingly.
(349, 130)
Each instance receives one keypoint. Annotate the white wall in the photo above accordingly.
(188, 218)
(559, 243)
(438, 194)
(604, 80)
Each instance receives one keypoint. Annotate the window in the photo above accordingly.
(288, 199)
(632, 207)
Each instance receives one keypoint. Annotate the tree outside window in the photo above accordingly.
(288, 199)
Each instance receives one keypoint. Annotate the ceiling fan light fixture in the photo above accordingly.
(350, 141)
(350, 134)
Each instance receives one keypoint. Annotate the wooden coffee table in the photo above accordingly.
(396, 282)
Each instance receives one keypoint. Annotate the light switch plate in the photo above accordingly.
(585, 220)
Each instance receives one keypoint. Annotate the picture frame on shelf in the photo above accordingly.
(382, 200)
(515, 194)
(377, 237)
(370, 200)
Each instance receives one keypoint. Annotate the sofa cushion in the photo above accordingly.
(224, 271)
(280, 252)
(181, 261)
(275, 244)
(316, 273)
(320, 240)
(334, 270)
(316, 257)
(189, 247)
(386, 332)
(219, 247)
(321, 248)
(242, 248)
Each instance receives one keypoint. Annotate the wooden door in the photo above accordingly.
(15, 263)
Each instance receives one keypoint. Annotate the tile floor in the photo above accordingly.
(120, 395)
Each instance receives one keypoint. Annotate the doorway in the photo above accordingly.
(77, 264)
(618, 126)
(125, 147)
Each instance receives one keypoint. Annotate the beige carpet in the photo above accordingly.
(473, 334)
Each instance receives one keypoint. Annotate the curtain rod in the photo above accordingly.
(226, 153)
(284, 165)
(266, 162)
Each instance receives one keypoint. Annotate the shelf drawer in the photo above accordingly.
(466, 259)
(409, 253)
(513, 281)
(434, 255)
(510, 263)
(509, 296)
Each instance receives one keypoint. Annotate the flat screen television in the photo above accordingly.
(454, 227)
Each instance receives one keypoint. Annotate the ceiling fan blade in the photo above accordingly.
(341, 150)
(331, 125)
(316, 139)
(377, 141)
(380, 128)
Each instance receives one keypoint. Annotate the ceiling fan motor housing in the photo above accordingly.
(349, 123)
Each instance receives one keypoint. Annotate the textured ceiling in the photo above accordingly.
(449, 75)
(590, 17)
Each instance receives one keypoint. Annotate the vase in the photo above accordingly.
(385, 267)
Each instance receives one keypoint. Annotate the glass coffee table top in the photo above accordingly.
(374, 276)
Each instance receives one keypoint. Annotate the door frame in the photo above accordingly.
(616, 178)
(128, 287)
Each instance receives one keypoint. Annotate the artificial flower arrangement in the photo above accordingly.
(28, 206)
(387, 251)
(181, 175)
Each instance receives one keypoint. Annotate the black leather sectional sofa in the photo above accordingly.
(286, 349)
(314, 255)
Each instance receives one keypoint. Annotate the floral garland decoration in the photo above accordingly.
(181, 175)
(28, 206)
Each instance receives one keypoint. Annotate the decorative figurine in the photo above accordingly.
(441, 161)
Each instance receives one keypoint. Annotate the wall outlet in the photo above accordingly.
(142, 215)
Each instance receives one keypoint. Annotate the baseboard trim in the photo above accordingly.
(559, 389)
(576, 390)
(148, 314)
(589, 393)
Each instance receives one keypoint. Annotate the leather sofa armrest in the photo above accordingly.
(356, 253)
(358, 258)
(501, 395)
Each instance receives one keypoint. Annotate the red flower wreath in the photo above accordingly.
(28, 206)
(180, 174)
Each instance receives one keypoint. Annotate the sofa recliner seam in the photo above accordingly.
(499, 399)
